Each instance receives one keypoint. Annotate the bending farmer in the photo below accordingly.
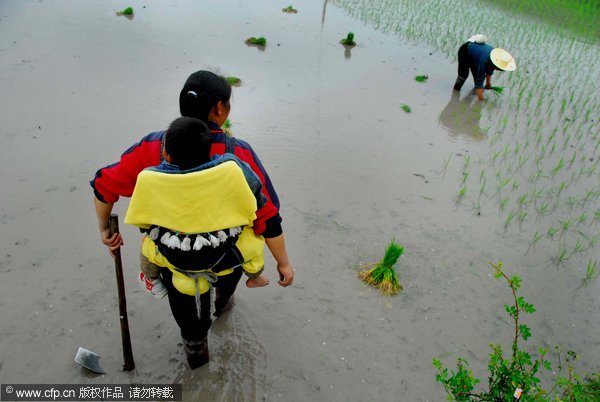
(482, 59)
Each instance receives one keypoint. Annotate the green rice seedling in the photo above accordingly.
(260, 41)
(467, 161)
(581, 218)
(558, 167)
(542, 210)
(552, 231)
(572, 201)
(383, 276)
(461, 193)
(537, 193)
(482, 188)
(565, 224)
(503, 183)
(496, 90)
(348, 40)
(503, 203)
(561, 187)
(290, 10)
(562, 256)
(495, 156)
(421, 78)
(515, 184)
(522, 215)
(517, 148)
(578, 248)
(591, 272)
(589, 194)
(597, 216)
(523, 200)
(536, 237)
(406, 108)
(128, 12)
(447, 161)
(234, 81)
(509, 218)
(465, 176)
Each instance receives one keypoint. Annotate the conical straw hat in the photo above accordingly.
(503, 60)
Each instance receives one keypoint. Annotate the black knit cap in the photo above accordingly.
(201, 92)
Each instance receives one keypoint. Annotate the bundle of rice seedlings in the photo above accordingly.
(226, 127)
(128, 11)
(383, 276)
(497, 90)
(348, 40)
(260, 41)
(290, 10)
(234, 81)
(421, 78)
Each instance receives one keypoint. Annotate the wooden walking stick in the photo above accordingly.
(128, 364)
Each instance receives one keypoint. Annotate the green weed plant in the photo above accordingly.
(516, 377)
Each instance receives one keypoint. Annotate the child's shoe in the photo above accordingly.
(153, 286)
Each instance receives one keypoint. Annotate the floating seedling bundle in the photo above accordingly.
(348, 40)
(260, 41)
(127, 12)
(290, 10)
(421, 78)
(234, 81)
(497, 90)
(383, 276)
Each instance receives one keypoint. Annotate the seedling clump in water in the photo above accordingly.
(406, 108)
(290, 10)
(348, 40)
(421, 78)
(260, 41)
(497, 90)
(383, 276)
(234, 81)
(127, 11)
(227, 127)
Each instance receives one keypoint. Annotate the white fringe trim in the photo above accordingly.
(171, 240)
(186, 244)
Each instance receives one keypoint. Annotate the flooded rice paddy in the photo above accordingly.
(457, 182)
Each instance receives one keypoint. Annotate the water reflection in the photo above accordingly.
(347, 52)
(461, 117)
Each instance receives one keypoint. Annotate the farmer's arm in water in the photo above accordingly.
(488, 81)
(103, 211)
(277, 247)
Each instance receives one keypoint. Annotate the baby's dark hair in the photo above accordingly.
(187, 142)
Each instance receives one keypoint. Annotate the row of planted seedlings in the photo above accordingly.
(544, 183)
(543, 159)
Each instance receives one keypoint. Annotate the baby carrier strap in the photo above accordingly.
(229, 144)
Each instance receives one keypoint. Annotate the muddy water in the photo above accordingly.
(79, 85)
